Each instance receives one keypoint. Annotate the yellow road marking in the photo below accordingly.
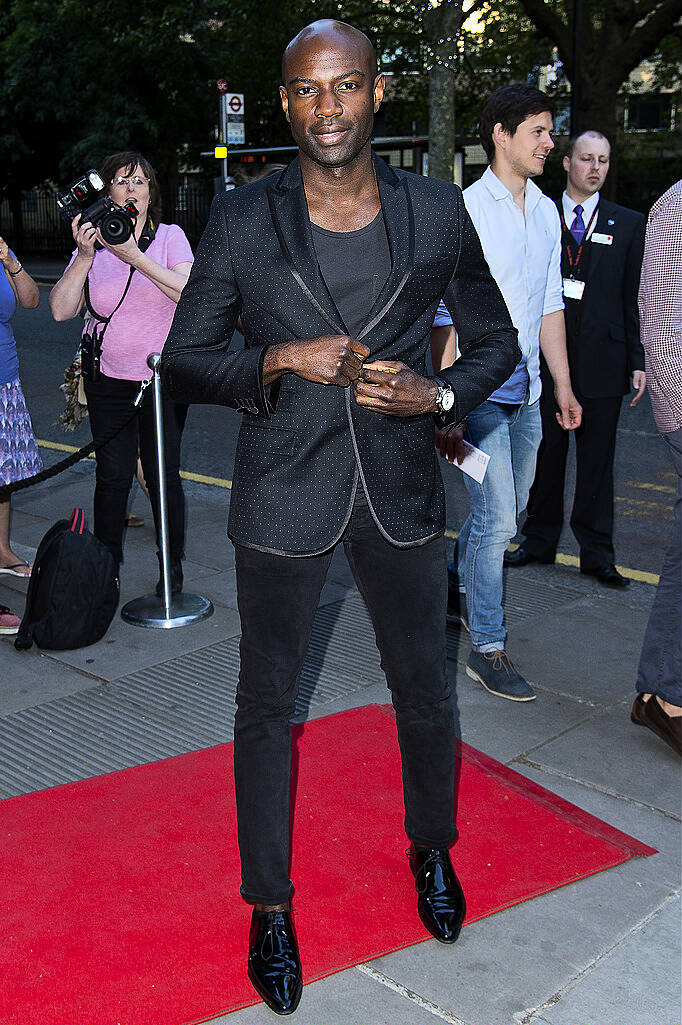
(650, 487)
(220, 482)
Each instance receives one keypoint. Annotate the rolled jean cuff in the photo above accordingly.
(256, 898)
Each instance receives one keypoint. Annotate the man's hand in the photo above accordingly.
(450, 444)
(391, 387)
(570, 411)
(639, 384)
(330, 359)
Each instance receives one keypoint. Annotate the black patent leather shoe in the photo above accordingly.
(274, 962)
(607, 575)
(440, 900)
(522, 557)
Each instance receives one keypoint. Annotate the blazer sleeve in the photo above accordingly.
(633, 270)
(196, 365)
(487, 339)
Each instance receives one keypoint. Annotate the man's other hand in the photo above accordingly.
(450, 444)
(570, 411)
(639, 384)
(388, 386)
(329, 359)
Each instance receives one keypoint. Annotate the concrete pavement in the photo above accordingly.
(602, 951)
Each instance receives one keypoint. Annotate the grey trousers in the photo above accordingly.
(660, 664)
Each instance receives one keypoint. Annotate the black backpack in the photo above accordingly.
(73, 591)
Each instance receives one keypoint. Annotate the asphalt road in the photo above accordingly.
(644, 477)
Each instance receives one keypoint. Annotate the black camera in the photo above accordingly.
(84, 196)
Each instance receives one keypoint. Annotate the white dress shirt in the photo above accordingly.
(523, 250)
(588, 205)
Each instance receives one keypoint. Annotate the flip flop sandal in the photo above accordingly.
(13, 570)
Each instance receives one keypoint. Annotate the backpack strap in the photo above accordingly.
(77, 521)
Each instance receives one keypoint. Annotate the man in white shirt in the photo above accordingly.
(521, 237)
(601, 255)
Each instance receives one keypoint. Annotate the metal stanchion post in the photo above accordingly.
(169, 610)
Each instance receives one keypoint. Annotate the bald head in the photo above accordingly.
(327, 34)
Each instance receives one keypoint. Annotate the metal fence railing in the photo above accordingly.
(36, 226)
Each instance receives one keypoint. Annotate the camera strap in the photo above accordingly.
(144, 242)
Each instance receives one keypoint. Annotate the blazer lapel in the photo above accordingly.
(289, 212)
(399, 220)
(597, 250)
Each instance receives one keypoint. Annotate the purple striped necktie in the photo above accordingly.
(578, 226)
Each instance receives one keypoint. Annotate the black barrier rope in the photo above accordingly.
(75, 457)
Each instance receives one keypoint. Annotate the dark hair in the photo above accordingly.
(509, 106)
(588, 131)
(129, 160)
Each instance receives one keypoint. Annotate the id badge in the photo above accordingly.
(573, 289)
(601, 239)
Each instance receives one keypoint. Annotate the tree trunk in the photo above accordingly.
(441, 124)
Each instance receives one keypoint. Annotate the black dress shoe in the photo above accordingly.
(274, 961)
(522, 557)
(440, 903)
(607, 575)
(652, 715)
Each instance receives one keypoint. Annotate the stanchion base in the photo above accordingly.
(150, 611)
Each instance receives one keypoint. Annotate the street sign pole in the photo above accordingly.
(223, 133)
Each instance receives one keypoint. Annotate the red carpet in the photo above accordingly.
(118, 901)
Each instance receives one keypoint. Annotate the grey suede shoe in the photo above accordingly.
(495, 671)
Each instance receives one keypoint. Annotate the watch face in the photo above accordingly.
(447, 400)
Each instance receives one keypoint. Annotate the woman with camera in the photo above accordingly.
(129, 292)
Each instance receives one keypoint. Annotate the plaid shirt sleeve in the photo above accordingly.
(660, 309)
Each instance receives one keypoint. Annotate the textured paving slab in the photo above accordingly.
(169, 707)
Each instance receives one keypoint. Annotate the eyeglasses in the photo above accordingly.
(119, 180)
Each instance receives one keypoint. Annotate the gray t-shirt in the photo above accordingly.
(355, 266)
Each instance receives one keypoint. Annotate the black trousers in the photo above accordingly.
(592, 515)
(110, 400)
(405, 593)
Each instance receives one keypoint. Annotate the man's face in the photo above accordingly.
(587, 165)
(330, 97)
(530, 145)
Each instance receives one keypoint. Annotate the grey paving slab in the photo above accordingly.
(125, 648)
(520, 958)
(507, 729)
(29, 678)
(639, 980)
(208, 544)
(609, 752)
(346, 998)
(590, 650)
(217, 587)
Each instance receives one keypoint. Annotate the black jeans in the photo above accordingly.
(110, 400)
(405, 592)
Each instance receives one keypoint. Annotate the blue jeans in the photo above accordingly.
(510, 435)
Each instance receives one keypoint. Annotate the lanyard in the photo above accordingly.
(575, 263)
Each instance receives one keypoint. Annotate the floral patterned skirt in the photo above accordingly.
(19, 456)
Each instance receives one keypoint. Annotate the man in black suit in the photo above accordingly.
(601, 259)
(335, 266)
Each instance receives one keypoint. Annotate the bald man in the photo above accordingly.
(335, 266)
(601, 260)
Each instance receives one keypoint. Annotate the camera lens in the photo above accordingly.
(116, 228)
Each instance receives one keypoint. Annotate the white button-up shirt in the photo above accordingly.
(523, 251)
(589, 207)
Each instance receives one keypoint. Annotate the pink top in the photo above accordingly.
(142, 322)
